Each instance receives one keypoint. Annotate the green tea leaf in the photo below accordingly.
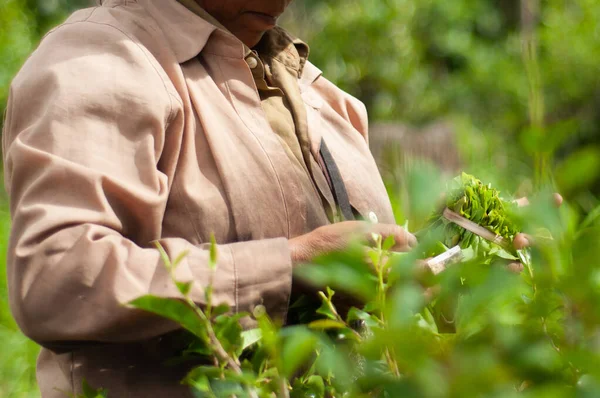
(388, 243)
(180, 258)
(213, 252)
(175, 310)
(184, 288)
(297, 349)
(325, 324)
(229, 332)
(357, 315)
(250, 337)
(579, 170)
(325, 308)
(315, 386)
(221, 309)
(163, 255)
(90, 392)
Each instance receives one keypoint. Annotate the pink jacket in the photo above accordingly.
(137, 121)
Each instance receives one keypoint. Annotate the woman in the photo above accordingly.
(165, 120)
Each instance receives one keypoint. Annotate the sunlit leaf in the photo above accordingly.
(250, 337)
(180, 258)
(173, 309)
(213, 252)
(324, 324)
(163, 255)
(184, 288)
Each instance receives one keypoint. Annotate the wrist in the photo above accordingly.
(298, 250)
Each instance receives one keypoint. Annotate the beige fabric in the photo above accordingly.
(194, 7)
(135, 122)
(276, 65)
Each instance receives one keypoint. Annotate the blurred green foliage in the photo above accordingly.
(487, 332)
(462, 61)
(22, 24)
(517, 116)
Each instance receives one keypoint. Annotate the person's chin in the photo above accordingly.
(251, 36)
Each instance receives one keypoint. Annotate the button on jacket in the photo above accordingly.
(138, 121)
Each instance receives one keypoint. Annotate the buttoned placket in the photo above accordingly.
(257, 68)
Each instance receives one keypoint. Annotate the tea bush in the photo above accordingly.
(475, 329)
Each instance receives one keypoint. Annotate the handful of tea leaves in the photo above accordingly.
(482, 205)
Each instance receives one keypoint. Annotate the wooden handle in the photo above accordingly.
(475, 228)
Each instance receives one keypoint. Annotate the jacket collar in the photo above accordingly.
(187, 33)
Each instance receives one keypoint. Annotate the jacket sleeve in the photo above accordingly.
(88, 177)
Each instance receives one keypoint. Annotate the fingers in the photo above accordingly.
(522, 202)
(404, 240)
(431, 293)
(515, 267)
(556, 198)
(338, 236)
(521, 241)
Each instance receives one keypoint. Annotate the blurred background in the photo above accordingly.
(505, 90)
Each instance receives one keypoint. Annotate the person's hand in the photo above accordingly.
(522, 241)
(338, 236)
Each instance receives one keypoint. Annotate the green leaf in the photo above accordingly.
(221, 309)
(180, 258)
(229, 332)
(163, 255)
(90, 392)
(326, 324)
(579, 170)
(210, 372)
(175, 310)
(425, 321)
(213, 252)
(198, 347)
(325, 308)
(592, 218)
(184, 288)
(326, 311)
(505, 255)
(388, 243)
(334, 363)
(227, 388)
(297, 349)
(403, 304)
(315, 386)
(357, 315)
(251, 337)
(375, 257)
(330, 292)
(199, 383)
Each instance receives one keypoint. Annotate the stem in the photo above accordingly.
(220, 352)
(392, 363)
(338, 317)
(529, 13)
(221, 355)
(381, 294)
(284, 388)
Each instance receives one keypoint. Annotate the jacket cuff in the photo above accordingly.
(263, 276)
